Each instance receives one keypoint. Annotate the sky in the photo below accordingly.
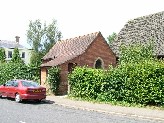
(74, 17)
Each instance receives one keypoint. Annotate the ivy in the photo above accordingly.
(53, 79)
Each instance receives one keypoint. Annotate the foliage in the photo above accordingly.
(35, 34)
(16, 57)
(41, 38)
(111, 37)
(135, 80)
(52, 35)
(53, 79)
(13, 70)
(86, 82)
(136, 53)
(2, 55)
(36, 59)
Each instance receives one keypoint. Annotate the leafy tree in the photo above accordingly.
(2, 55)
(36, 58)
(52, 35)
(136, 53)
(35, 34)
(111, 37)
(16, 57)
(41, 38)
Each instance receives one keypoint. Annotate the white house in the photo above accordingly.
(9, 46)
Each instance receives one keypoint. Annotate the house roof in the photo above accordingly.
(10, 44)
(68, 49)
(142, 30)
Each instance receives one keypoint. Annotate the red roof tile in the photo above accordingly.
(68, 49)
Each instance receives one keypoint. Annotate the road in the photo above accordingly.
(49, 112)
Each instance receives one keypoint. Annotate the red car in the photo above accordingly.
(23, 90)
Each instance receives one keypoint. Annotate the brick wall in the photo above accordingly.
(98, 49)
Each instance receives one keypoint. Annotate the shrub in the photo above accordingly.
(2, 55)
(12, 70)
(54, 79)
(137, 79)
(16, 56)
(86, 82)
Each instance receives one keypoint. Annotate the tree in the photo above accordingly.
(52, 35)
(34, 35)
(2, 55)
(41, 38)
(16, 56)
(136, 53)
(111, 37)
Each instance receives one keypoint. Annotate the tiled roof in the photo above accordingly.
(142, 30)
(10, 44)
(68, 49)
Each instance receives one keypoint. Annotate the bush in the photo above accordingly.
(12, 70)
(16, 57)
(2, 55)
(138, 79)
(86, 82)
(54, 79)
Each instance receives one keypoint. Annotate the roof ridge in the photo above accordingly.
(7, 40)
(96, 33)
(71, 47)
(148, 15)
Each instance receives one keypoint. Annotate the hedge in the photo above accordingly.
(11, 70)
(141, 83)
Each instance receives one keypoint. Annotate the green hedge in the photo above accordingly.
(141, 83)
(86, 82)
(139, 78)
(11, 70)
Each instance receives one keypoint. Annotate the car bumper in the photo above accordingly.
(37, 97)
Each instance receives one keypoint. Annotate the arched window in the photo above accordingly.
(99, 64)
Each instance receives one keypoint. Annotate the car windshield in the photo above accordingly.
(30, 84)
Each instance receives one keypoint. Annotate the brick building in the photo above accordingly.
(89, 50)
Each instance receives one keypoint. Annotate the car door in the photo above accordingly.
(14, 89)
(6, 89)
(3, 90)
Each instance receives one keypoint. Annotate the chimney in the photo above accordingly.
(17, 39)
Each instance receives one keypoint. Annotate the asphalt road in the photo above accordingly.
(48, 112)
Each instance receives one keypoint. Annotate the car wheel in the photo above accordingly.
(18, 98)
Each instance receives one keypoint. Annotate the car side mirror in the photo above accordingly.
(4, 84)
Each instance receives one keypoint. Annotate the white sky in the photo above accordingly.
(74, 17)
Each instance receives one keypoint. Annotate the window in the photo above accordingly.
(30, 84)
(99, 64)
(15, 84)
(9, 83)
(23, 54)
(9, 54)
